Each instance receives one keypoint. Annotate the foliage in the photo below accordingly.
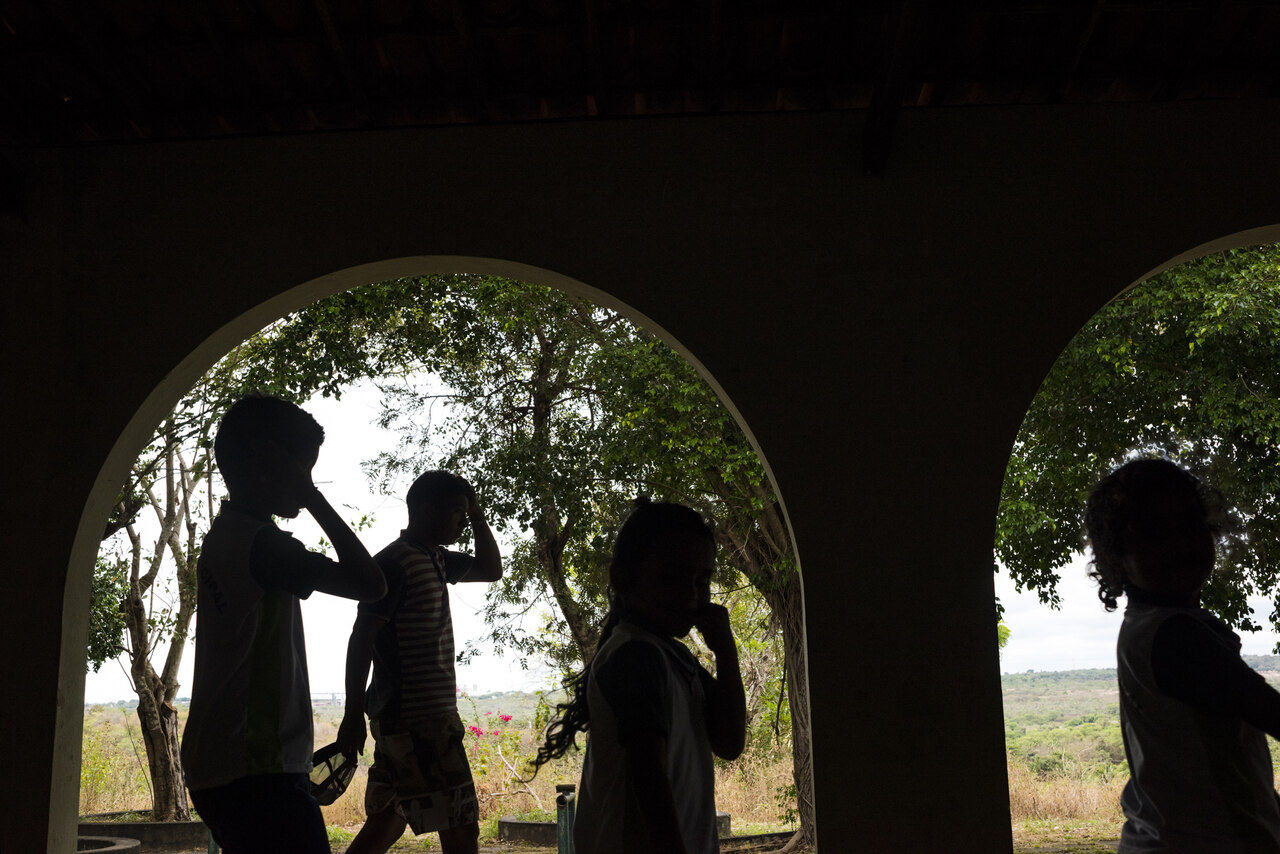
(494, 744)
(1182, 365)
(1089, 745)
(106, 612)
(560, 412)
(338, 835)
(784, 797)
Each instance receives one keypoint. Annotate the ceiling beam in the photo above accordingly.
(476, 76)
(338, 49)
(900, 41)
(1082, 44)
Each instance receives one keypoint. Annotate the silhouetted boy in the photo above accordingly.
(247, 745)
(420, 775)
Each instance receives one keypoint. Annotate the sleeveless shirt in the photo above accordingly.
(608, 819)
(1200, 781)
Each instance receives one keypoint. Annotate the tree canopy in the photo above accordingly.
(560, 412)
(1187, 365)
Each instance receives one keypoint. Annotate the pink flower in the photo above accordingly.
(506, 719)
(488, 713)
(476, 730)
(496, 732)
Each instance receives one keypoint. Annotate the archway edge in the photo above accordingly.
(136, 434)
(1233, 240)
(1223, 243)
(204, 355)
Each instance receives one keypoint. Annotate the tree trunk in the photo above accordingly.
(158, 720)
(159, 723)
(761, 548)
(157, 717)
(788, 609)
(582, 629)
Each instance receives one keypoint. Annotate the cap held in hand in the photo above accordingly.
(331, 773)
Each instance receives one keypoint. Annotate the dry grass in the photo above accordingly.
(1065, 813)
(113, 766)
(1073, 810)
(1061, 797)
(747, 789)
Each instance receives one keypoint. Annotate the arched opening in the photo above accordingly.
(1164, 368)
(180, 379)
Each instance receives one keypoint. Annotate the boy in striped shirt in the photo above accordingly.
(420, 776)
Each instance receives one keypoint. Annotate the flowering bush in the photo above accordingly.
(496, 750)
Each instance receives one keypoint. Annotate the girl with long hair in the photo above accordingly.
(655, 714)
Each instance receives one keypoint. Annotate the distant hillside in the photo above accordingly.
(1057, 677)
(1062, 695)
(1056, 696)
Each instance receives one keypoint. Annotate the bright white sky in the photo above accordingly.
(1079, 635)
(352, 436)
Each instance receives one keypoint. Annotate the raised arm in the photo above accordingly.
(487, 565)
(727, 703)
(356, 575)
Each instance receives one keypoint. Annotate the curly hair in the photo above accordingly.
(649, 527)
(1132, 505)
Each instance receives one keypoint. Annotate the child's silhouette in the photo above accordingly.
(656, 716)
(1192, 712)
(247, 747)
(420, 775)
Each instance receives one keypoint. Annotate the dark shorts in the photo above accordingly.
(422, 772)
(264, 814)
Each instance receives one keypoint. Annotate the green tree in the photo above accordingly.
(106, 614)
(560, 412)
(1184, 364)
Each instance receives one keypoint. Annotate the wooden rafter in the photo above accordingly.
(900, 40)
(338, 49)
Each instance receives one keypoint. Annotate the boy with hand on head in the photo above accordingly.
(420, 776)
(1192, 713)
(247, 746)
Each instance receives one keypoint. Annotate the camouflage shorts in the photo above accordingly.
(422, 772)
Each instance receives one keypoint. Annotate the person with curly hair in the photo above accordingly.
(1192, 713)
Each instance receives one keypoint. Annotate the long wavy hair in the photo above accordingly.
(649, 529)
(1130, 505)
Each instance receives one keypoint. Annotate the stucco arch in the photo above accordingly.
(882, 336)
(1234, 240)
(1223, 243)
(178, 381)
(1100, 625)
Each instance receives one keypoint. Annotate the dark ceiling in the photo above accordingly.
(86, 71)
